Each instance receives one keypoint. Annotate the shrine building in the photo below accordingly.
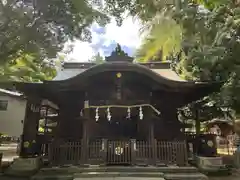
(117, 112)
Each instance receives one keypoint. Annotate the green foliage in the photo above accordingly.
(212, 4)
(40, 28)
(162, 38)
(209, 48)
(27, 70)
(98, 59)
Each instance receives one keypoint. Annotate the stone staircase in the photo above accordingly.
(120, 173)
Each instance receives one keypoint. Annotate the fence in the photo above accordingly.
(95, 152)
(65, 153)
(172, 152)
(162, 152)
(118, 152)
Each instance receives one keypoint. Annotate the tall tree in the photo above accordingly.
(162, 38)
(41, 27)
(98, 59)
(209, 45)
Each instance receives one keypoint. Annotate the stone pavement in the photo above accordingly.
(119, 178)
(233, 177)
(92, 178)
(125, 178)
(120, 173)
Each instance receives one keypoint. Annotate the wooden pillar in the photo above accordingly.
(30, 127)
(68, 122)
(197, 123)
(104, 150)
(85, 142)
(152, 141)
(133, 151)
(85, 136)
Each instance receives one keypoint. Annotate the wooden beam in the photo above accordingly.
(50, 104)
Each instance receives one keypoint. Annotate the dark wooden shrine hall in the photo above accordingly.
(115, 112)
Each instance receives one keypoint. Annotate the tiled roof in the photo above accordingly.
(70, 70)
(12, 93)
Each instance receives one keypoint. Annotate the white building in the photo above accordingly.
(12, 112)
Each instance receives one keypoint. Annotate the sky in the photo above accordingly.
(104, 40)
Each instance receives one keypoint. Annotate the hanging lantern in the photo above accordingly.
(97, 116)
(128, 113)
(108, 114)
(140, 113)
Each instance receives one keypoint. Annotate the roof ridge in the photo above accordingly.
(86, 65)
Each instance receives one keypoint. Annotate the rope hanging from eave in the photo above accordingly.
(123, 106)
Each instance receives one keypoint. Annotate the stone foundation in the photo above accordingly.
(210, 164)
(24, 166)
(119, 172)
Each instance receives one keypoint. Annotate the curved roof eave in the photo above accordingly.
(123, 66)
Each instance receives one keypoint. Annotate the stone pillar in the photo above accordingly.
(30, 127)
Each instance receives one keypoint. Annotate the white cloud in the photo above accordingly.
(126, 35)
(82, 51)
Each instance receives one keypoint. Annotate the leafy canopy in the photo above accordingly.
(209, 45)
(161, 39)
(26, 70)
(40, 28)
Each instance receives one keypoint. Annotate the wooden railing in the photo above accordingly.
(65, 153)
(118, 152)
(144, 152)
(95, 152)
(161, 152)
(172, 152)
